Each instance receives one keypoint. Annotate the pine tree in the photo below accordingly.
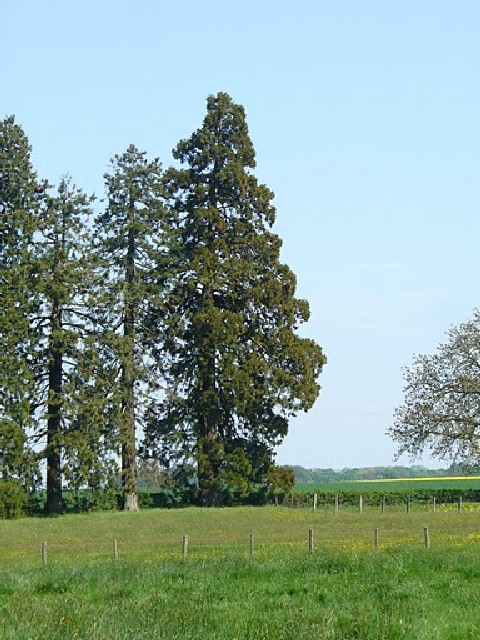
(238, 369)
(132, 233)
(20, 200)
(61, 326)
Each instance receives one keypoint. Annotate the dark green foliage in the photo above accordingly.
(20, 200)
(61, 361)
(181, 494)
(163, 499)
(280, 481)
(373, 498)
(238, 369)
(13, 499)
(77, 501)
(47, 369)
(132, 247)
(171, 317)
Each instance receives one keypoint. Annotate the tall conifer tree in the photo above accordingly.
(61, 326)
(20, 201)
(238, 368)
(133, 246)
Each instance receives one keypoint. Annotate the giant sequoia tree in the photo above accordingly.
(20, 200)
(441, 408)
(50, 407)
(173, 314)
(238, 369)
(60, 327)
(133, 248)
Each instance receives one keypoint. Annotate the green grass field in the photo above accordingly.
(345, 590)
(429, 484)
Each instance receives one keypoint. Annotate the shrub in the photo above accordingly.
(13, 499)
(395, 497)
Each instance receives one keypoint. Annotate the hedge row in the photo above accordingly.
(374, 498)
(14, 502)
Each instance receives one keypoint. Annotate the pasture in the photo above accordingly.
(389, 485)
(344, 590)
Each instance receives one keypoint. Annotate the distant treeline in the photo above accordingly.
(318, 476)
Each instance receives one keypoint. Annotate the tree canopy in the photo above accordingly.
(132, 248)
(238, 367)
(441, 409)
(21, 196)
(164, 328)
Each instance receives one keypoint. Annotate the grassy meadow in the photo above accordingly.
(344, 590)
(400, 484)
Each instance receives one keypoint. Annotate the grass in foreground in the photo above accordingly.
(344, 591)
(403, 594)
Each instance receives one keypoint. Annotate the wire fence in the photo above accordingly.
(312, 532)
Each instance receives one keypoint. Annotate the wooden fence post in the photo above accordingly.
(336, 502)
(184, 547)
(315, 502)
(459, 503)
(434, 504)
(310, 541)
(426, 537)
(251, 545)
(360, 503)
(375, 537)
(44, 553)
(115, 549)
(276, 501)
(383, 504)
(408, 504)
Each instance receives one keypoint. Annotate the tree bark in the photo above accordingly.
(54, 474)
(209, 489)
(209, 447)
(129, 458)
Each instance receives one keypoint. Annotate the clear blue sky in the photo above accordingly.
(365, 119)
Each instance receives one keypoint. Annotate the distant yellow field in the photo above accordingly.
(443, 479)
(435, 483)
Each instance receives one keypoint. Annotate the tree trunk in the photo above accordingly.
(209, 488)
(129, 458)
(210, 449)
(54, 426)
